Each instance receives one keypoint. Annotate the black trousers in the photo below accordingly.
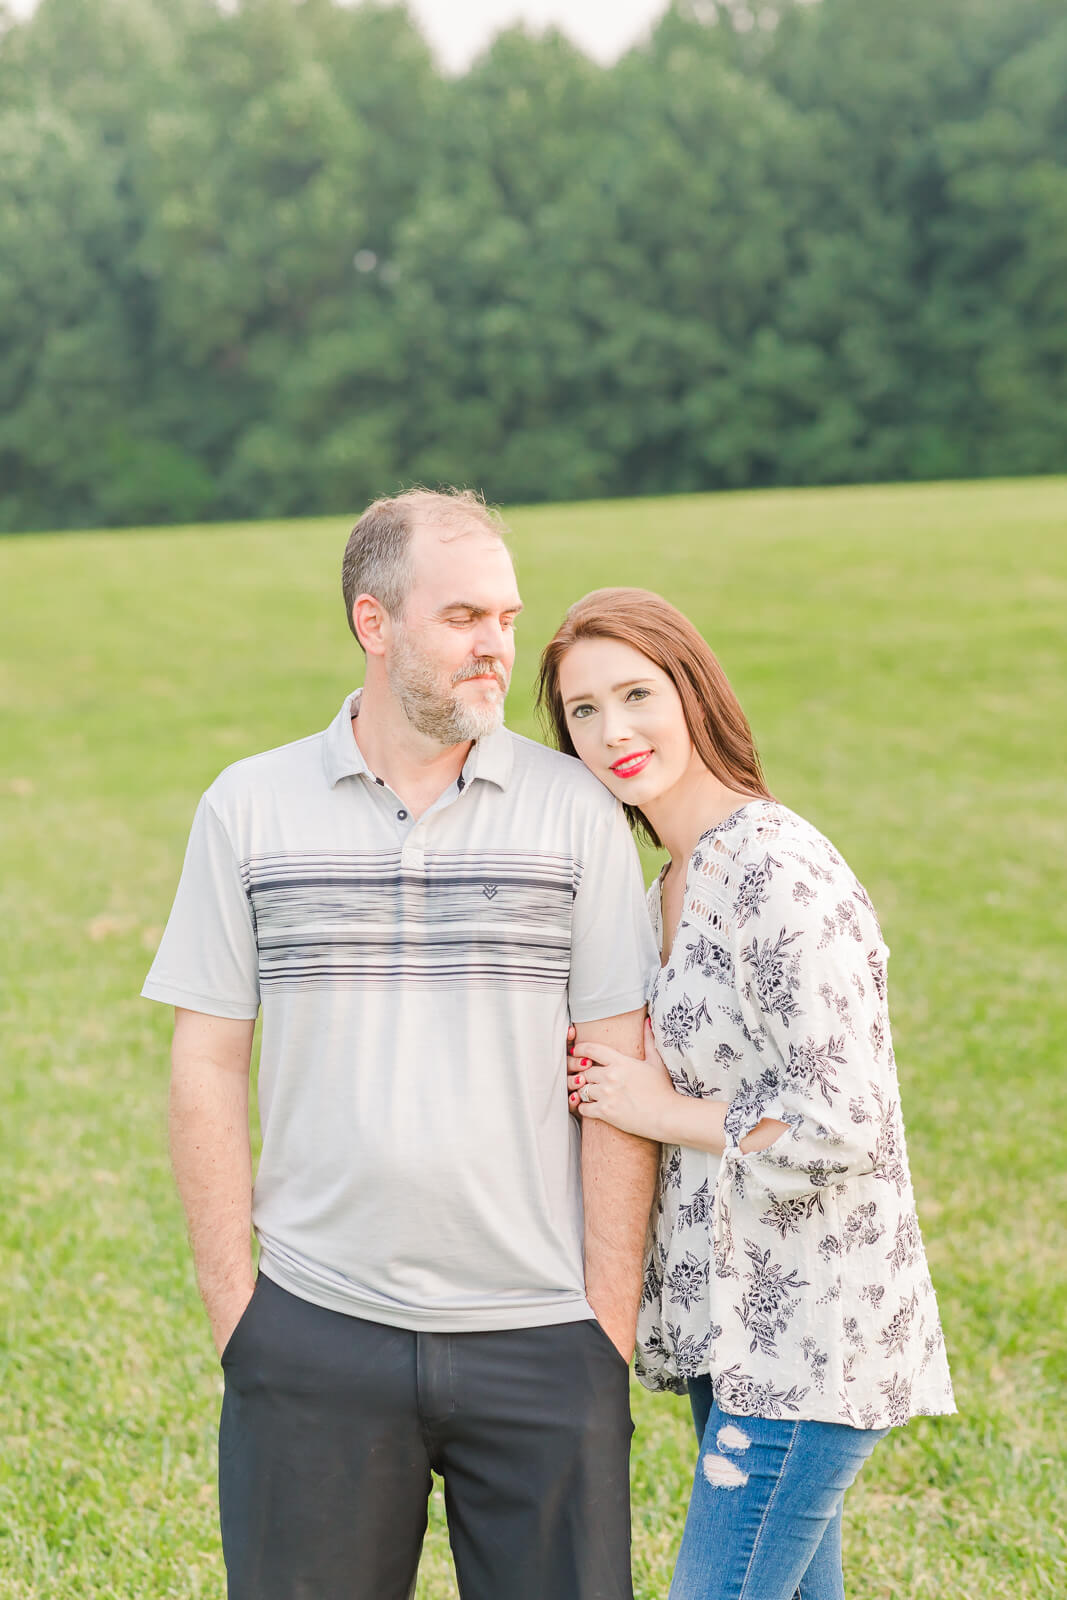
(332, 1426)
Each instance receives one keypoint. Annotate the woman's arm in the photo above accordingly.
(638, 1097)
(811, 970)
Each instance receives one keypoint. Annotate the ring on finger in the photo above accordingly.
(583, 1092)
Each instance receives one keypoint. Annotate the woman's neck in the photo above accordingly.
(696, 803)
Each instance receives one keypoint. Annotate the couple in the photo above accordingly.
(452, 1270)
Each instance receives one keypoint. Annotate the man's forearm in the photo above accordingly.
(212, 1160)
(618, 1183)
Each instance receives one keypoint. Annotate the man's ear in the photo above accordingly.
(371, 622)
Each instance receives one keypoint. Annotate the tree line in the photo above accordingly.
(264, 259)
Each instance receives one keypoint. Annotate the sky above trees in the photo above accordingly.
(458, 30)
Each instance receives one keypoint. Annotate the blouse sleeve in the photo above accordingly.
(811, 970)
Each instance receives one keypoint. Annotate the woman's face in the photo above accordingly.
(626, 720)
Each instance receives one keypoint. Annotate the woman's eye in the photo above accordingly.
(640, 694)
(580, 712)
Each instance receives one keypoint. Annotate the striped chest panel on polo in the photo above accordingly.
(361, 917)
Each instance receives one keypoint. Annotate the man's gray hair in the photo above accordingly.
(377, 557)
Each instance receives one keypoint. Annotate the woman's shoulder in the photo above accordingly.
(756, 827)
(765, 853)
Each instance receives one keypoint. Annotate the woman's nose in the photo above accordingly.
(614, 728)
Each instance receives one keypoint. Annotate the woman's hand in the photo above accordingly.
(632, 1095)
(639, 1097)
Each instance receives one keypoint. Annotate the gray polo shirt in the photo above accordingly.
(419, 1166)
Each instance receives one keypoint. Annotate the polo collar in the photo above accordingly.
(341, 755)
(490, 758)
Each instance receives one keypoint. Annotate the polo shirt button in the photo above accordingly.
(402, 816)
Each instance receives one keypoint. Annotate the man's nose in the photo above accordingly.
(491, 638)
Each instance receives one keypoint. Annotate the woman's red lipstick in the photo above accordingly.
(629, 766)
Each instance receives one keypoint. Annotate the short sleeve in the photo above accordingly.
(613, 952)
(208, 960)
(812, 974)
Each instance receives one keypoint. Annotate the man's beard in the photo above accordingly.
(443, 717)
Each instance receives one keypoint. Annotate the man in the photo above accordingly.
(416, 898)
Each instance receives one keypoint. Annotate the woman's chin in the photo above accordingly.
(639, 791)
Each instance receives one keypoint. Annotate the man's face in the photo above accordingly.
(451, 653)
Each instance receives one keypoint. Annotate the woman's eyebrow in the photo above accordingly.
(631, 683)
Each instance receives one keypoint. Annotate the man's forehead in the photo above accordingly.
(440, 551)
(430, 536)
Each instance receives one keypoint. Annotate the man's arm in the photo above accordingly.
(618, 1183)
(212, 1158)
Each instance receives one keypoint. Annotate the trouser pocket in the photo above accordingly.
(232, 1343)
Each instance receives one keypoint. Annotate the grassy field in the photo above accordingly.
(900, 653)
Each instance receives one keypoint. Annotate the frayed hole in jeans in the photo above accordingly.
(731, 1438)
(722, 1474)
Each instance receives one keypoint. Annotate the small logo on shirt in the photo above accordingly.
(489, 890)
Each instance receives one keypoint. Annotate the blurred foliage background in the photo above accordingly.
(264, 259)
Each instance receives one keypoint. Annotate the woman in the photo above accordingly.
(786, 1287)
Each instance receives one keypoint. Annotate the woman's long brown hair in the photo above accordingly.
(717, 726)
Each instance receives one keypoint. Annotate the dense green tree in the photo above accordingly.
(75, 84)
(261, 257)
(495, 379)
(899, 291)
(267, 192)
(66, 367)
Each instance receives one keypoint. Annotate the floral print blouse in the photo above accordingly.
(794, 1276)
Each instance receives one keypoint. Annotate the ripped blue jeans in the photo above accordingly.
(764, 1519)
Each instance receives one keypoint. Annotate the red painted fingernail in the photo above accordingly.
(579, 1080)
(574, 1099)
(584, 1062)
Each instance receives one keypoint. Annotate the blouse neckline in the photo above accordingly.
(757, 800)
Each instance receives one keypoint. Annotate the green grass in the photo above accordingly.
(900, 653)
